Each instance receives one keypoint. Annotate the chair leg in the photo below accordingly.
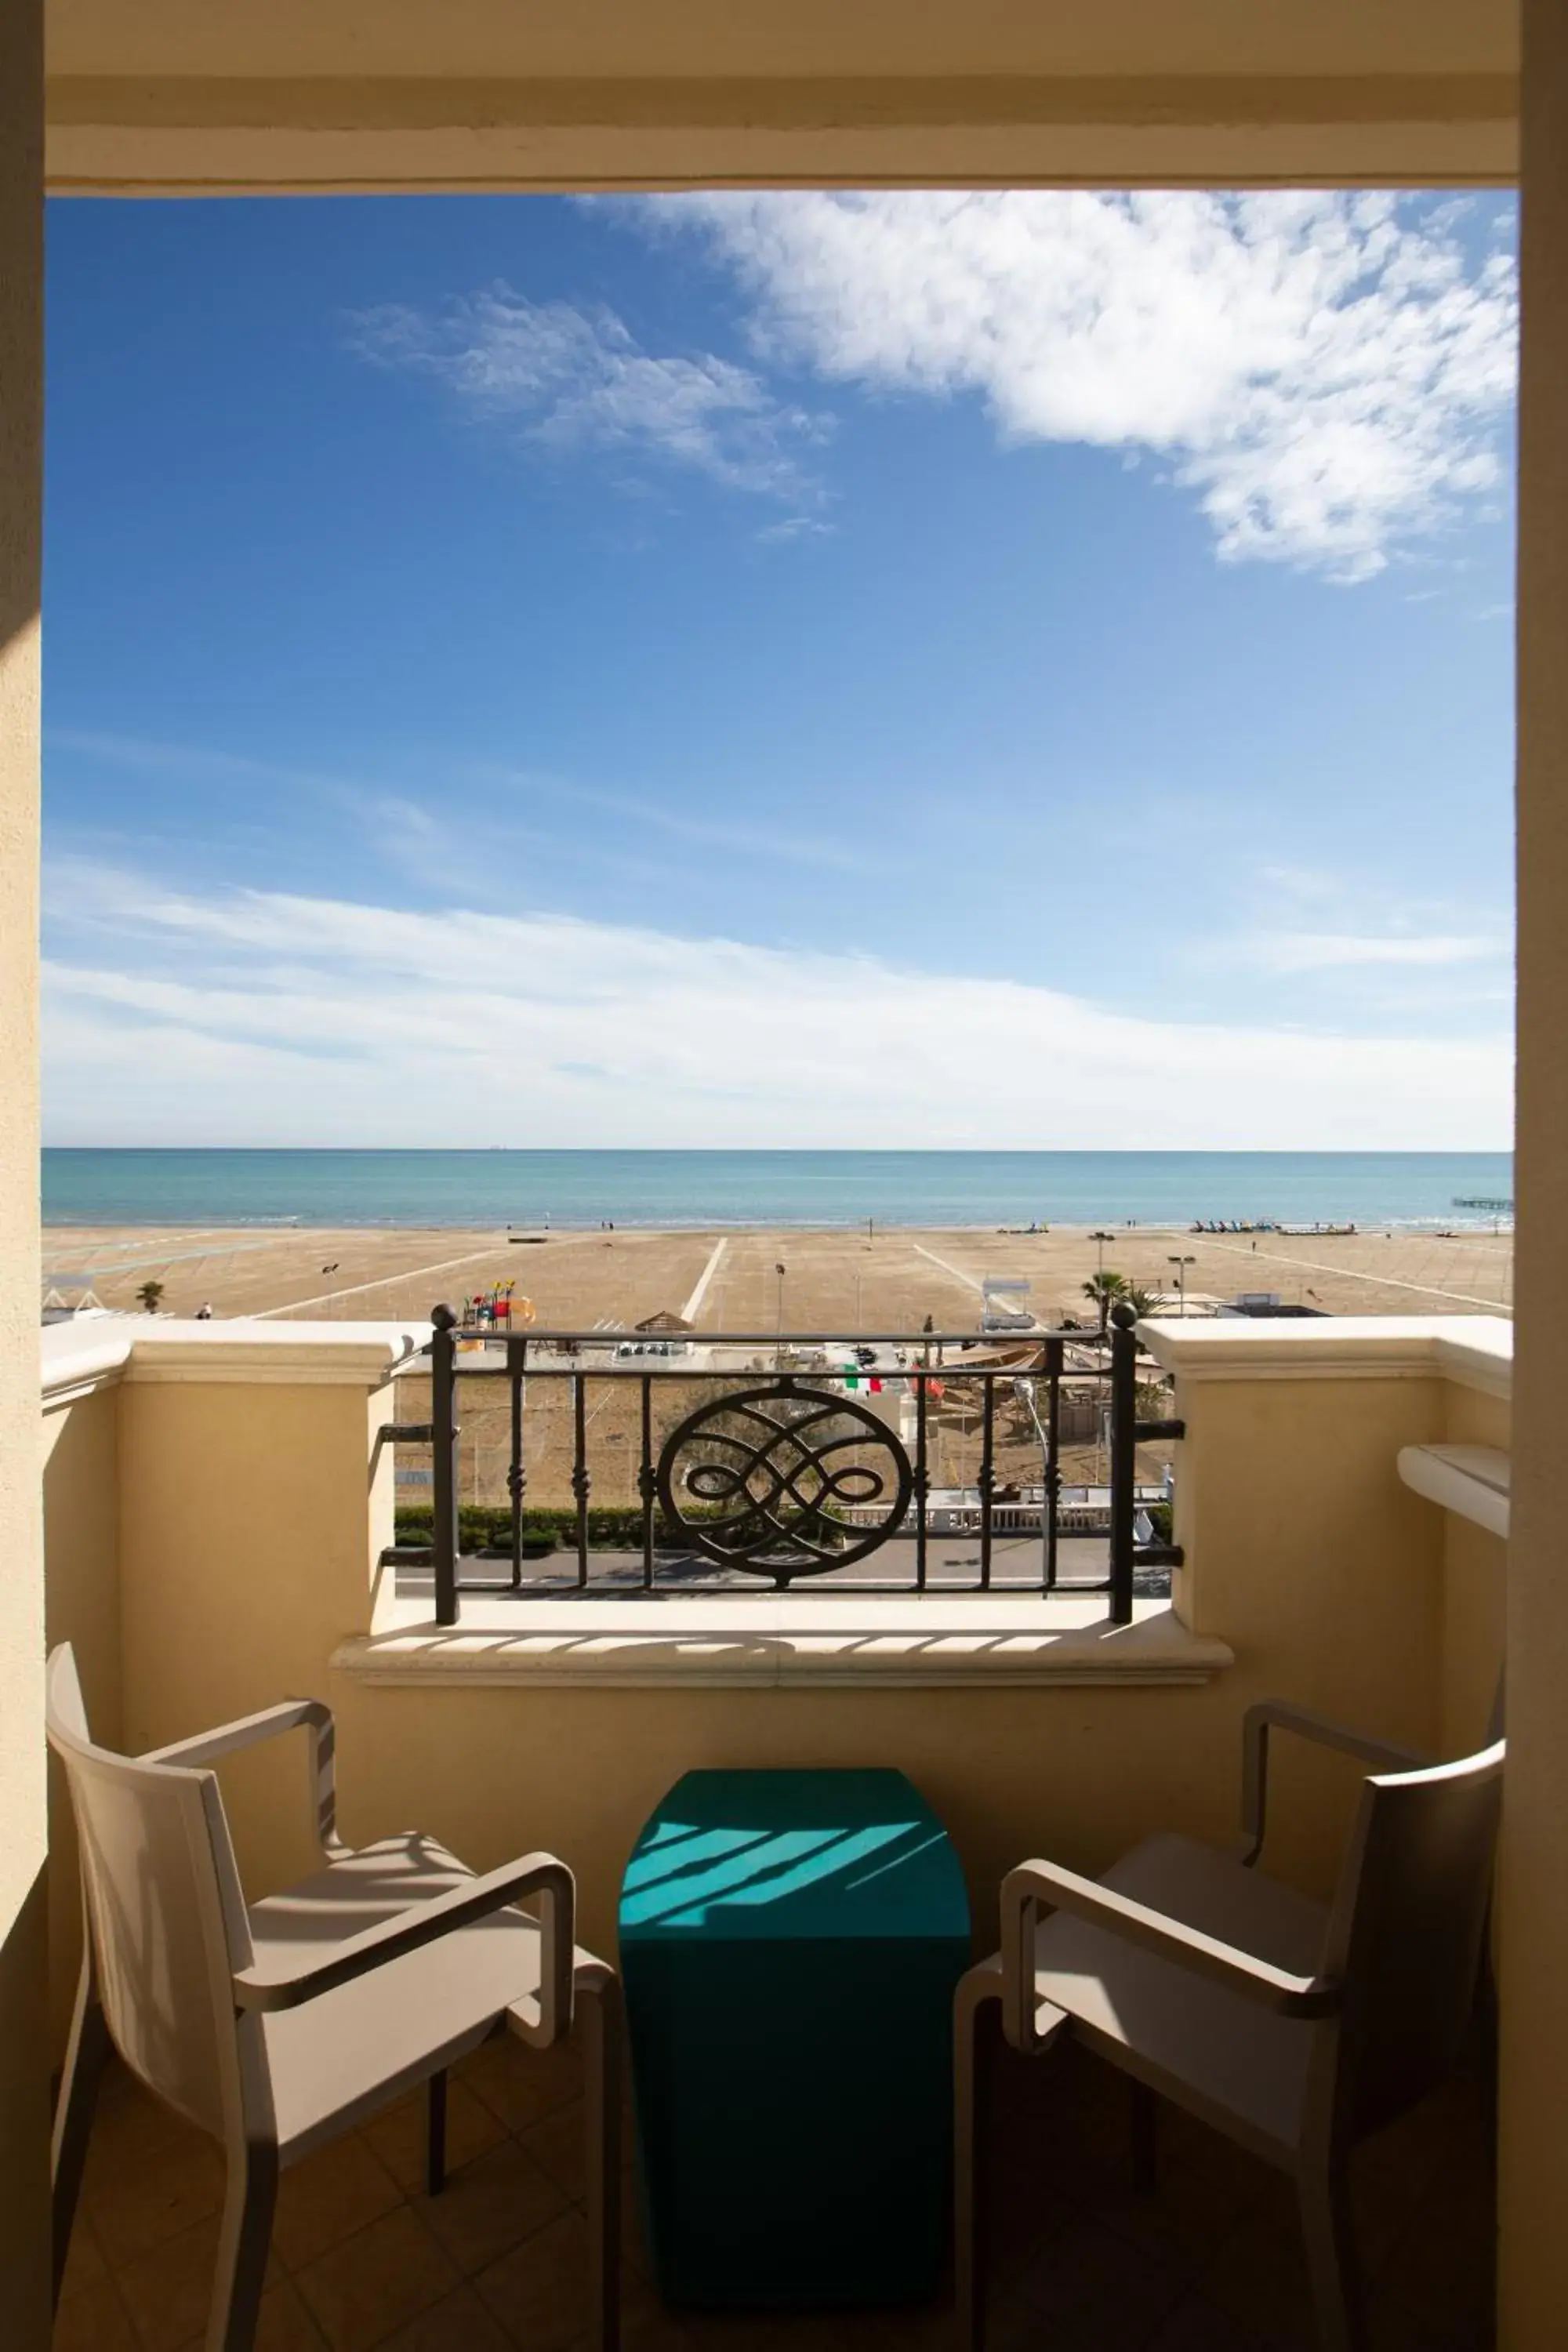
(976, 2012)
(435, 2134)
(1331, 2266)
(248, 2201)
(599, 1994)
(1145, 2136)
(85, 2056)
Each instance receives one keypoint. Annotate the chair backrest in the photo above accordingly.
(166, 1916)
(1405, 1935)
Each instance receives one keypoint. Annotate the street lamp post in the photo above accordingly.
(779, 1270)
(1099, 1240)
(1181, 1264)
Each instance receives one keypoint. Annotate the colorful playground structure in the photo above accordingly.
(499, 1308)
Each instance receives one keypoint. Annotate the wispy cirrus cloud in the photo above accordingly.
(508, 809)
(792, 847)
(1329, 373)
(567, 379)
(1310, 951)
(277, 1017)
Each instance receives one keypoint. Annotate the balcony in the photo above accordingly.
(220, 1521)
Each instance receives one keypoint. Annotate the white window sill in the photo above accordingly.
(794, 1642)
(1472, 1480)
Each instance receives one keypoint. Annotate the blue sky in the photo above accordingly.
(780, 669)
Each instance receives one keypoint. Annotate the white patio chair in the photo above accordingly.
(278, 2025)
(1294, 2026)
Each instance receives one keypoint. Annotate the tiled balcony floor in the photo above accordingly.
(363, 2258)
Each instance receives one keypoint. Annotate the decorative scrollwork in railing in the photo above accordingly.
(767, 1469)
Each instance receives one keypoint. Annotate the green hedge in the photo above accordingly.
(611, 1527)
(1159, 1520)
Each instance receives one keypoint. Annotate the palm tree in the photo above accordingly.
(1110, 1289)
(149, 1295)
(1105, 1289)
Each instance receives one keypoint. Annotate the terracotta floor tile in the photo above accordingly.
(458, 2323)
(93, 2319)
(746, 2331)
(866, 2331)
(1398, 2323)
(1016, 2328)
(398, 2135)
(1198, 2326)
(129, 2124)
(283, 2324)
(1258, 2279)
(559, 2145)
(138, 2205)
(1082, 2262)
(379, 2281)
(1185, 2222)
(538, 2293)
(522, 2085)
(332, 2195)
(490, 2205)
(85, 2262)
(168, 2289)
(1087, 2280)
(650, 2330)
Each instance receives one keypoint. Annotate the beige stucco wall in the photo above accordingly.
(1325, 1570)
(1475, 1587)
(81, 1531)
(250, 1518)
(24, 2079)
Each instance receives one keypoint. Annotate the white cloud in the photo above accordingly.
(1326, 372)
(571, 379)
(1301, 951)
(249, 1016)
(798, 848)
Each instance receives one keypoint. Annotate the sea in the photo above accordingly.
(533, 1190)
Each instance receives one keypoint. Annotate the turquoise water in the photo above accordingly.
(530, 1189)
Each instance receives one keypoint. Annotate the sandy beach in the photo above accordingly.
(835, 1281)
(845, 1280)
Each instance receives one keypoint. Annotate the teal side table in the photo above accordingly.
(790, 1943)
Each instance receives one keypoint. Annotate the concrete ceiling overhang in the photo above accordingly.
(194, 96)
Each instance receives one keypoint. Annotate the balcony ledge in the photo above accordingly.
(1475, 1351)
(795, 1642)
(78, 1358)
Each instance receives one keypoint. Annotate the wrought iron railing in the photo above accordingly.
(783, 1469)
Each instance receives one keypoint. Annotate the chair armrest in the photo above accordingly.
(1037, 1886)
(423, 1923)
(289, 1715)
(1273, 1714)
